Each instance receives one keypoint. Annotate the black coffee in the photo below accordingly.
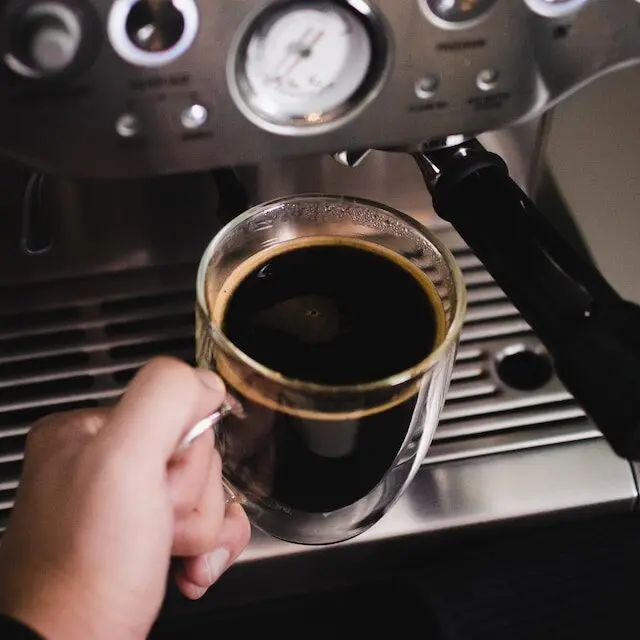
(333, 312)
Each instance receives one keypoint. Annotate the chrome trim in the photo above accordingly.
(127, 50)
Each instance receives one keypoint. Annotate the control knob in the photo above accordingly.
(44, 40)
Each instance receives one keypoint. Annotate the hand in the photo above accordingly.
(104, 503)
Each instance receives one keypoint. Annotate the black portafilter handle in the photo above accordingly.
(591, 333)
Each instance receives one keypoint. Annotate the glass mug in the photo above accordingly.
(320, 461)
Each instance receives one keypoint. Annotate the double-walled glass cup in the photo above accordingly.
(341, 492)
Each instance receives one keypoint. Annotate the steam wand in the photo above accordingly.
(592, 334)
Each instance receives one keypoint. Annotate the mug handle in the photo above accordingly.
(230, 496)
(229, 406)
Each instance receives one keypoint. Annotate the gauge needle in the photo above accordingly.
(294, 49)
(301, 50)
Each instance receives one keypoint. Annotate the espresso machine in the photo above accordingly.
(131, 130)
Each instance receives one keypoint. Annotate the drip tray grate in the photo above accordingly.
(88, 338)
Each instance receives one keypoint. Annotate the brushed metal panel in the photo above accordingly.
(70, 126)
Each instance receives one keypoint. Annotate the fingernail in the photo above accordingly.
(195, 592)
(216, 563)
(210, 379)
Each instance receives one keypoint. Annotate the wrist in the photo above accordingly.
(57, 613)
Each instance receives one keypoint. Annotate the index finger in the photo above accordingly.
(165, 399)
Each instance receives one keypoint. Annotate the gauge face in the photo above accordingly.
(458, 11)
(304, 63)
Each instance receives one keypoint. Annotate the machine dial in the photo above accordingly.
(45, 41)
(450, 13)
(305, 64)
(152, 33)
(556, 8)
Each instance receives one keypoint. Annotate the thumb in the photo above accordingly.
(165, 399)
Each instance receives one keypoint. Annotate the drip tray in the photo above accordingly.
(502, 451)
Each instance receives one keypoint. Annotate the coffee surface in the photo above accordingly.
(335, 314)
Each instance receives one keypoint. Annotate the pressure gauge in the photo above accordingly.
(305, 64)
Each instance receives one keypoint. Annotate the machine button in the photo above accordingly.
(194, 116)
(487, 79)
(426, 86)
(46, 41)
(128, 125)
